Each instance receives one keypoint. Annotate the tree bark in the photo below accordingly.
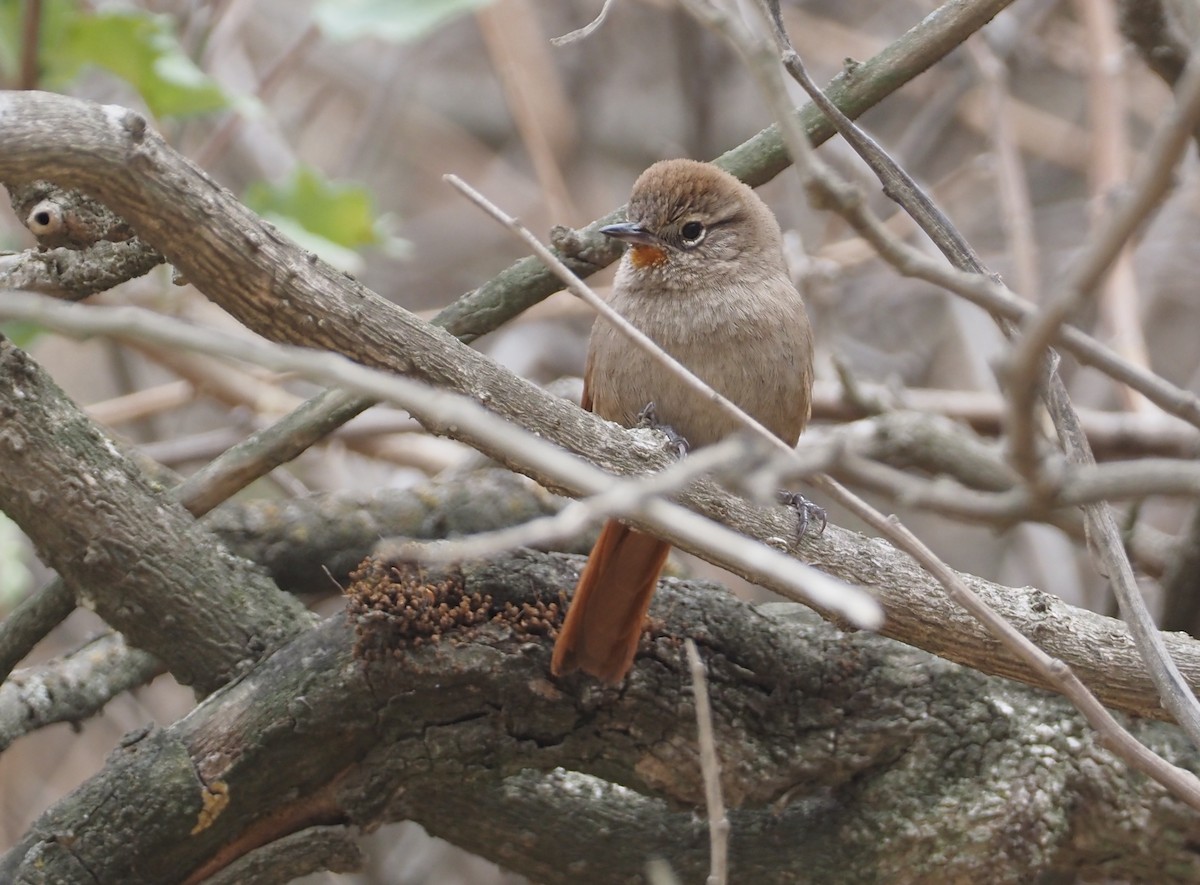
(1096, 647)
(846, 757)
(121, 544)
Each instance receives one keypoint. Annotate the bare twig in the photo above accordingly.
(897, 183)
(31, 621)
(1180, 782)
(710, 767)
(291, 56)
(587, 30)
(1111, 434)
(819, 179)
(1083, 277)
(624, 498)
(31, 44)
(1108, 551)
(1108, 108)
(142, 403)
(440, 408)
(534, 95)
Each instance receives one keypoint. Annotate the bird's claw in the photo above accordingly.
(648, 417)
(806, 512)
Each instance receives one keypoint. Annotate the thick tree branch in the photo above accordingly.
(820, 734)
(72, 688)
(309, 544)
(357, 322)
(1096, 647)
(122, 546)
(501, 438)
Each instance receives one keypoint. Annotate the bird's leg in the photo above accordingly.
(806, 511)
(648, 417)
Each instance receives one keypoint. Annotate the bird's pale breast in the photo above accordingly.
(751, 342)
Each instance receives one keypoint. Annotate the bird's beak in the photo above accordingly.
(630, 232)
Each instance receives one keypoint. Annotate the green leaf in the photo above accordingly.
(341, 213)
(393, 20)
(330, 218)
(20, 332)
(140, 48)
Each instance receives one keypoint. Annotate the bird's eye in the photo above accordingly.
(692, 232)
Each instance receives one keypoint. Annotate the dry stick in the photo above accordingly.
(144, 403)
(263, 451)
(1144, 433)
(624, 498)
(1080, 486)
(1016, 210)
(1004, 505)
(31, 621)
(897, 183)
(1169, 142)
(587, 30)
(1084, 276)
(31, 26)
(1108, 171)
(533, 94)
(816, 174)
(1108, 550)
(440, 408)
(1180, 782)
(710, 768)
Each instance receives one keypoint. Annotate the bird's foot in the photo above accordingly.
(806, 511)
(648, 417)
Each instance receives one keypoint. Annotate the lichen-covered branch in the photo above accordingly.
(919, 613)
(846, 758)
(122, 545)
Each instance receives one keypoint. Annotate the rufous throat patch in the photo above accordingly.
(646, 256)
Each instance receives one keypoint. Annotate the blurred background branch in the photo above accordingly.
(337, 126)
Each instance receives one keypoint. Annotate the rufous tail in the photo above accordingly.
(604, 623)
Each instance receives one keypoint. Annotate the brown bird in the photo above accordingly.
(705, 278)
